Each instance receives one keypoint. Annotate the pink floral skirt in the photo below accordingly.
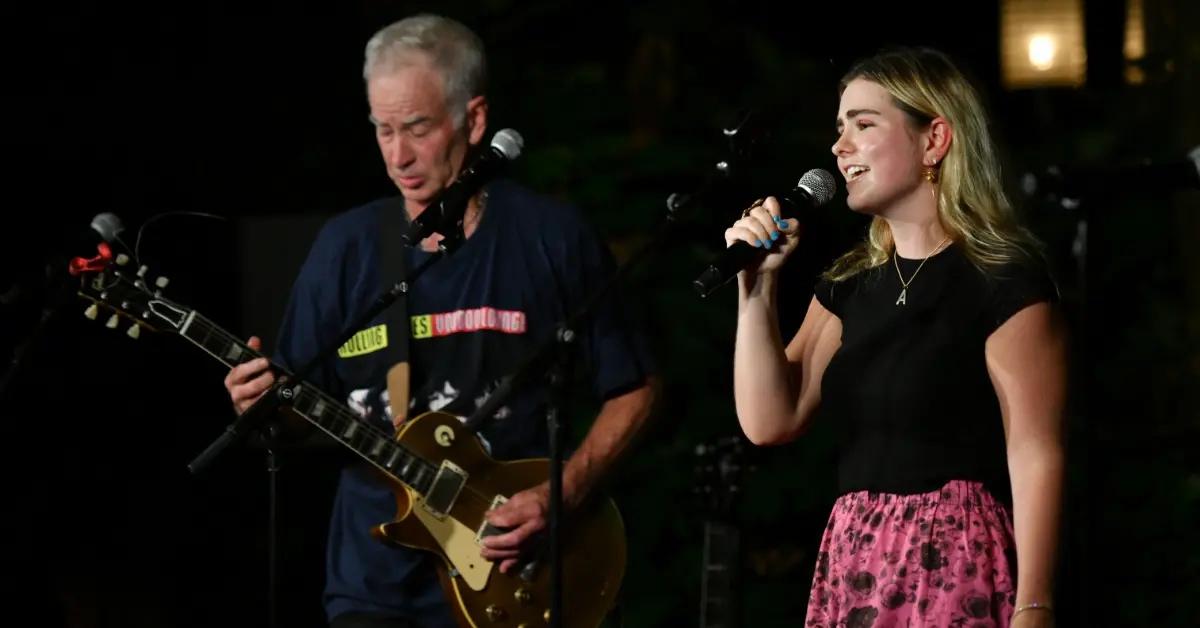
(944, 558)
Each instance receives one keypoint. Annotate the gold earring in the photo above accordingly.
(930, 173)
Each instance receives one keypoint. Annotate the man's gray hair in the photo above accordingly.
(453, 49)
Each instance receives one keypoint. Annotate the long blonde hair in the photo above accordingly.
(972, 205)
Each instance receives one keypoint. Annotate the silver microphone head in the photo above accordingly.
(819, 184)
(108, 225)
(509, 143)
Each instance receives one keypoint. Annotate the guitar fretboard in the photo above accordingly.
(332, 417)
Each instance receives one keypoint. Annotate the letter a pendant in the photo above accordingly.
(903, 300)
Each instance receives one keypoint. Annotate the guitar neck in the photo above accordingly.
(718, 607)
(327, 414)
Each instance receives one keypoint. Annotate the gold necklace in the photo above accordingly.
(903, 300)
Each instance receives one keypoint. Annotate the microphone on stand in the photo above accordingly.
(814, 189)
(109, 227)
(446, 211)
(41, 258)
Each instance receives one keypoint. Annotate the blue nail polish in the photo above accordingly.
(774, 235)
(759, 244)
(783, 224)
(779, 221)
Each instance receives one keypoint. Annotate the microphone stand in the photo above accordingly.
(551, 357)
(745, 135)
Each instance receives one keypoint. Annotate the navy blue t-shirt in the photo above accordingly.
(474, 316)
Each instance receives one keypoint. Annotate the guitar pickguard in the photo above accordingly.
(458, 543)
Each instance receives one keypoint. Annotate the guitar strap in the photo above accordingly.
(393, 267)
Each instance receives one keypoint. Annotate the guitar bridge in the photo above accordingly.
(528, 569)
(486, 529)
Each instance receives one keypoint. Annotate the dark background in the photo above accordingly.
(255, 113)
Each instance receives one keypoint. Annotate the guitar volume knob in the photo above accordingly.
(494, 613)
(523, 595)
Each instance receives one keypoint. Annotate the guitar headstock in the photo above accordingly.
(720, 471)
(111, 283)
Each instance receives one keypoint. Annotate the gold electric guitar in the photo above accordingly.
(443, 480)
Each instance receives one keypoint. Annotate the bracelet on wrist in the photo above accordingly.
(1032, 606)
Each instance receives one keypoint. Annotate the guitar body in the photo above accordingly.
(593, 539)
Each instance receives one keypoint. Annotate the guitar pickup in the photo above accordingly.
(444, 489)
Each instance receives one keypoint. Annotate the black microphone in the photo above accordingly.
(446, 210)
(1070, 183)
(814, 189)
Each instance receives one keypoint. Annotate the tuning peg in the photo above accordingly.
(135, 331)
(92, 312)
(122, 259)
(113, 321)
(141, 273)
(162, 282)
